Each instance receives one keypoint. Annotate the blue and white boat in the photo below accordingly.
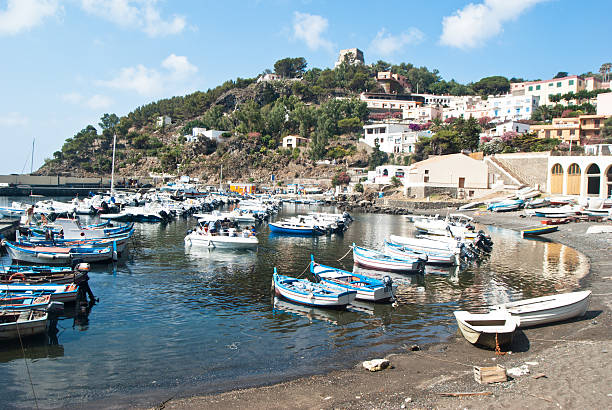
(431, 255)
(22, 323)
(9, 301)
(311, 294)
(294, 228)
(58, 255)
(372, 259)
(367, 288)
(59, 293)
(505, 205)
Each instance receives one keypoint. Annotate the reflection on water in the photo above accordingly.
(197, 320)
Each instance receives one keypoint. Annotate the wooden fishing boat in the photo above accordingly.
(548, 309)
(367, 288)
(311, 294)
(60, 293)
(22, 323)
(561, 212)
(506, 205)
(58, 255)
(372, 259)
(19, 302)
(492, 329)
(555, 221)
(539, 230)
(43, 274)
(429, 255)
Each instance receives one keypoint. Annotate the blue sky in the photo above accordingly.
(67, 62)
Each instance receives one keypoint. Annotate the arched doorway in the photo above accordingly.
(573, 180)
(593, 179)
(556, 179)
(609, 181)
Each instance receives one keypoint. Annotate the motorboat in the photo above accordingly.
(493, 329)
(547, 309)
(221, 238)
(58, 255)
(295, 228)
(429, 255)
(58, 292)
(506, 205)
(560, 212)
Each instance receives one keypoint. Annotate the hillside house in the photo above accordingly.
(294, 141)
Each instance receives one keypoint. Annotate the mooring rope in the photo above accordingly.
(349, 251)
(26, 363)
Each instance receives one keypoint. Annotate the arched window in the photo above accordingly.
(385, 173)
(593, 179)
(593, 169)
(573, 169)
(557, 169)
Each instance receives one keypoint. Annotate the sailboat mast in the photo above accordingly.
(32, 161)
(113, 166)
(221, 179)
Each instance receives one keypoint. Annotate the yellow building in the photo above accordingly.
(581, 130)
(565, 129)
(242, 189)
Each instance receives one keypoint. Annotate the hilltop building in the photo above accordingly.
(353, 56)
(163, 120)
(544, 89)
(294, 141)
(198, 132)
(392, 83)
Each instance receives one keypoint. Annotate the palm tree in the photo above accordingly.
(605, 71)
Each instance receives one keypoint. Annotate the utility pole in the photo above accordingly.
(113, 166)
(32, 161)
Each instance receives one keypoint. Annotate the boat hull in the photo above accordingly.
(490, 330)
(37, 325)
(236, 242)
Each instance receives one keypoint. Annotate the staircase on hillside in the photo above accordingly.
(504, 170)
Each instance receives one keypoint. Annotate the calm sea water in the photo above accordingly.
(174, 320)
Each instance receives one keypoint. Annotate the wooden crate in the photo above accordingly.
(486, 375)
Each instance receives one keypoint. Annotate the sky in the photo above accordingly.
(65, 63)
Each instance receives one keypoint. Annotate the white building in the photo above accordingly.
(392, 138)
(422, 114)
(269, 77)
(544, 89)
(384, 173)
(388, 102)
(163, 120)
(294, 141)
(510, 107)
(502, 128)
(604, 104)
(587, 175)
(198, 132)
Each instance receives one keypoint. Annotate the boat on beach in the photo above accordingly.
(506, 205)
(490, 330)
(547, 309)
(367, 288)
(539, 230)
(311, 294)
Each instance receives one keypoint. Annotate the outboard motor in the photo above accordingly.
(480, 243)
(388, 282)
(486, 239)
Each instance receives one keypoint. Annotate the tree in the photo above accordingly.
(290, 67)
(377, 158)
(468, 133)
(108, 121)
(493, 85)
(605, 71)
(341, 178)
(606, 130)
(561, 74)
(395, 181)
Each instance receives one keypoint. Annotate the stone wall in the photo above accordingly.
(530, 167)
(407, 204)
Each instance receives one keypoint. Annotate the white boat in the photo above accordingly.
(429, 255)
(422, 245)
(492, 329)
(22, 323)
(230, 238)
(560, 212)
(372, 259)
(548, 309)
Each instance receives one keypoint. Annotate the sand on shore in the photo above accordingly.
(572, 359)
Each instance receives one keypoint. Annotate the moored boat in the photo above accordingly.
(367, 288)
(58, 255)
(548, 309)
(22, 323)
(60, 293)
(371, 259)
(492, 329)
(311, 294)
(293, 228)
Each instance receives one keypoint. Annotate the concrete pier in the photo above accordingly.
(8, 227)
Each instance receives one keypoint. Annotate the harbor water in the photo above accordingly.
(177, 321)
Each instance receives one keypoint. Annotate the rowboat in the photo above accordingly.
(22, 323)
(506, 205)
(430, 255)
(492, 329)
(561, 212)
(292, 228)
(555, 221)
(58, 255)
(10, 301)
(547, 309)
(372, 259)
(43, 274)
(367, 288)
(311, 294)
(60, 293)
(423, 245)
(539, 230)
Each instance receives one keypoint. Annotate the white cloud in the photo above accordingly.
(310, 28)
(151, 81)
(98, 102)
(387, 44)
(142, 14)
(13, 119)
(21, 15)
(180, 67)
(471, 26)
